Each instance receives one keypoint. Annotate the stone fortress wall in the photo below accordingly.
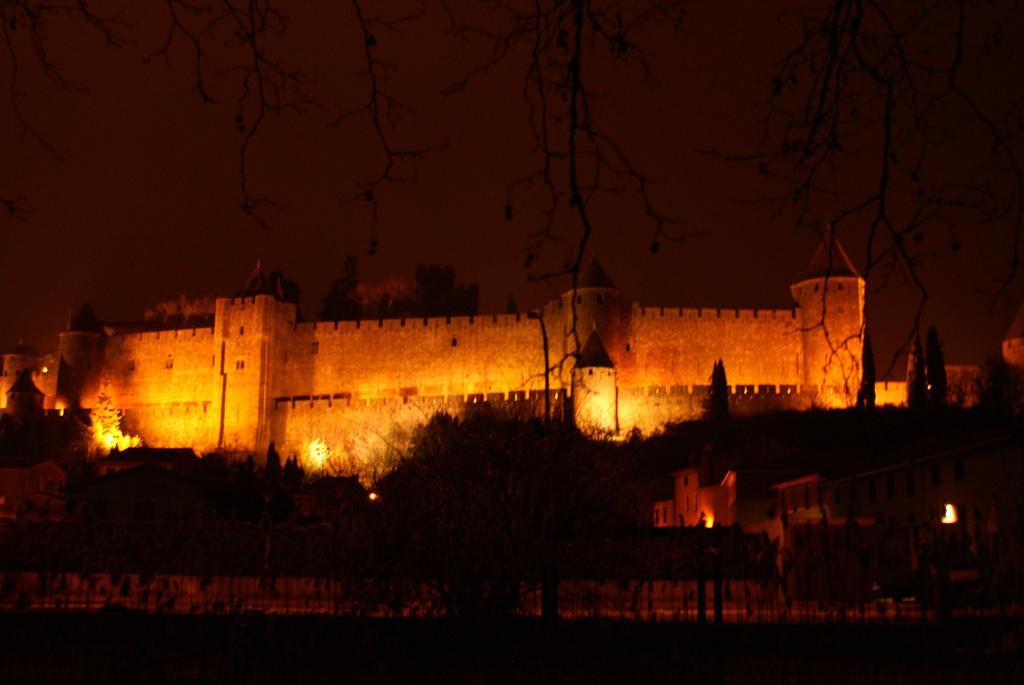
(258, 375)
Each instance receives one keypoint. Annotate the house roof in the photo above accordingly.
(594, 353)
(830, 260)
(23, 384)
(175, 456)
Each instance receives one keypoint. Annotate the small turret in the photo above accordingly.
(1013, 343)
(830, 298)
(594, 390)
(597, 310)
(24, 399)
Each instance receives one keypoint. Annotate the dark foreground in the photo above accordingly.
(120, 648)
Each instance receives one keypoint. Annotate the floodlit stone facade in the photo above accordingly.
(259, 375)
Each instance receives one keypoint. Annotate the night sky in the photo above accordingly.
(145, 204)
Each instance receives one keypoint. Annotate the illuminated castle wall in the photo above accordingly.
(258, 375)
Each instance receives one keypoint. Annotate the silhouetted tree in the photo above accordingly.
(717, 409)
(273, 466)
(481, 505)
(340, 303)
(917, 388)
(866, 393)
(292, 473)
(935, 365)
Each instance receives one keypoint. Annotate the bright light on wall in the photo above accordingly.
(318, 453)
(709, 519)
(949, 514)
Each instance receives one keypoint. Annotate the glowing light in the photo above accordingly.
(374, 496)
(318, 453)
(105, 425)
(709, 519)
(949, 514)
(46, 369)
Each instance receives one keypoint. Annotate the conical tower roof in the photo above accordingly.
(594, 353)
(85, 320)
(1017, 327)
(23, 384)
(594, 276)
(830, 260)
(260, 283)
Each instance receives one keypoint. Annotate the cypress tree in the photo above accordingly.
(917, 388)
(866, 393)
(935, 365)
(717, 410)
(273, 467)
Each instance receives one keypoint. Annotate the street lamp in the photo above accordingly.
(547, 364)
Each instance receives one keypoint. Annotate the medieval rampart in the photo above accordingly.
(671, 346)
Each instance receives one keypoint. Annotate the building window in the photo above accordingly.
(455, 342)
(241, 330)
(890, 487)
(911, 489)
(169, 364)
(240, 364)
(936, 474)
(958, 470)
(316, 347)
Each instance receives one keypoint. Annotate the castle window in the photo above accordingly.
(890, 487)
(627, 347)
(590, 372)
(131, 366)
(455, 342)
(815, 287)
(958, 470)
(169, 364)
(241, 330)
(240, 364)
(316, 347)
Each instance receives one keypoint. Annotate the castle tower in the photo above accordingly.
(23, 357)
(249, 330)
(830, 298)
(80, 359)
(597, 310)
(24, 399)
(1013, 343)
(594, 390)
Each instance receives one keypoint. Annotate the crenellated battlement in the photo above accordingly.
(259, 374)
(718, 313)
(414, 323)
